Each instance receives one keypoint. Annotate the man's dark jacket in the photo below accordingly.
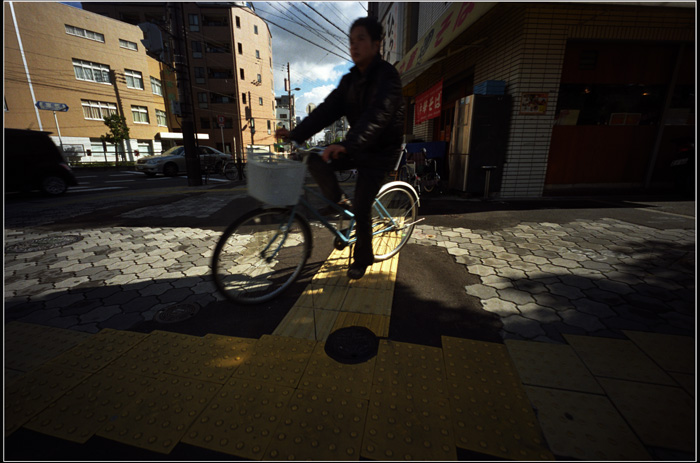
(373, 105)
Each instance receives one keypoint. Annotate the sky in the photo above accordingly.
(315, 71)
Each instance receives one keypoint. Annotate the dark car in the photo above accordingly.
(34, 162)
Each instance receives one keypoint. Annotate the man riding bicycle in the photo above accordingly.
(371, 99)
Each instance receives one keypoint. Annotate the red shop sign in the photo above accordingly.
(429, 104)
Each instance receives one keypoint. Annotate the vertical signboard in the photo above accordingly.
(392, 23)
(429, 104)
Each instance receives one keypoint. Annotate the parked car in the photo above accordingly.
(34, 162)
(172, 162)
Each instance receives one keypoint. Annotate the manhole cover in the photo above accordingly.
(42, 244)
(176, 313)
(352, 344)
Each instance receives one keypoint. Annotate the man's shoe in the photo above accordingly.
(356, 271)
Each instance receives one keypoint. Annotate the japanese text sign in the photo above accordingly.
(429, 104)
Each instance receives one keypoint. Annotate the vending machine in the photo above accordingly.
(478, 142)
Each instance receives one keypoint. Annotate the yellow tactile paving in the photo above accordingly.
(379, 324)
(241, 419)
(366, 300)
(687, 382)
(584, 426)
(490, 410)
(159, 417)
(617, 358)
(319, 426)
(306, 323)
(323, 374)
(380, 275)
(672, 353)
(408, 424)
(661, 416)
(28, 345)
(86, 408)
(410, 366)
(30, 394)
(278, 360)
(551, 365)
(12, 375)
(98, 351)
(323, 297)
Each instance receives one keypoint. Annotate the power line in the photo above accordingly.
(327, 20)
(339, 45)
(307, 40)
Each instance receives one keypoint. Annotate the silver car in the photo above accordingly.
(172, 162)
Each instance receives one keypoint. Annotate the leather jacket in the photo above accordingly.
(373, 104)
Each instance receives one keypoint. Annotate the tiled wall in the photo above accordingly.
(430, 12)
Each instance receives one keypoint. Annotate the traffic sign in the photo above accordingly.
(52, 106)
(222, 121)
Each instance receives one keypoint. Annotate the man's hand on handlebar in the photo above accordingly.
(332, 151)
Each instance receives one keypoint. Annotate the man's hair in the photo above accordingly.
(373, 27)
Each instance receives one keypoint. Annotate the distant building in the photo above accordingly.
(229, 50)
(94, 65)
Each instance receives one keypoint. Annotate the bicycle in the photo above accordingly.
(344, 175)
(430, 178)
(230, 170)
(264, 251)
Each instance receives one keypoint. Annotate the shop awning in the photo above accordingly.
(178, 136)
(449, 26)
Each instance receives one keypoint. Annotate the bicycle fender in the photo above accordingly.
(386, 186)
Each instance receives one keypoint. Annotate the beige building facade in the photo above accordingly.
(229, 55)
(94, 65)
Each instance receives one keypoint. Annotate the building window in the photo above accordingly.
(134, 79)
(242, 74)
(131, 18)
(257, 54)
(196, 49)
(158, 19)
(202, 100)
(128, 45)
(93, 72)
(194, 22)
(80, 32)
(205, 122)
(220, 73)
(156, 86)
(240, 48)
(238, 22)
(217, 47)
(162, 118)
(214, 20)
(255, 29)
(269, 128)
(221, 99)
(260, 101)
(259, 78)
(243, 98)
(98, 110)
(199, 75)
(140, 114)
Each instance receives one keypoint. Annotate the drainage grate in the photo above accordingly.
(42, 244)
(176, 313)
(352, 344)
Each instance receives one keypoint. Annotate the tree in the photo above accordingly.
(118, 132)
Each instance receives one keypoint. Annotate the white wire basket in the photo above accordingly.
(274, 180)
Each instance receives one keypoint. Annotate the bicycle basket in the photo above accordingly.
(274, 180)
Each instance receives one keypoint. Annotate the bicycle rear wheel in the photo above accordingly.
(343, 175)
(230, 171)
(260, 255)
(401, 205)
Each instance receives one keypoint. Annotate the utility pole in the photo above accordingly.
(289, 101)
(251, 123)
(177, 33)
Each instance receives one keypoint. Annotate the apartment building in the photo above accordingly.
(229, 55)
(597, 91)
(95, 66)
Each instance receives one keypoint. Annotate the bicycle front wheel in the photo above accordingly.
(230, 171)
(343, 175)
(393, 219)
(260, 255)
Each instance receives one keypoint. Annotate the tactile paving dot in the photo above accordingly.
(551, 365)
(410, 366)
(241, 419)
(98, 351)
(661, 416)
(617, 358)
(160, 416)
(277, 359)
(28, 345)
(324, 374)
(157, 353)
(34, 391)
(584, 426)
(404, 424)
(83, 410)
(671, 352)
(319, 426)
(490, 410)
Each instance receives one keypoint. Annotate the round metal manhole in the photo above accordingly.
(176, 313)
(352, 344)
(42, 244)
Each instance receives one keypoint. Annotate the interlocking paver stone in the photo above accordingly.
(500, 307)
(481, 291)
